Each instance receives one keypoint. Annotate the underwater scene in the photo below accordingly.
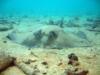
(49, 37)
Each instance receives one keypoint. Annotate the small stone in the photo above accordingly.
(72, 56)
(44, 63)
(44, 73)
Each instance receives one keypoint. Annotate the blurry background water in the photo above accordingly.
(50, 7)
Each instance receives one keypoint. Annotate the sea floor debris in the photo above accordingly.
(52, 62)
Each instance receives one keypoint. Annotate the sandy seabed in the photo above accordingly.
(47, 61)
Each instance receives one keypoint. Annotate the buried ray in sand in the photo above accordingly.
(44, 49)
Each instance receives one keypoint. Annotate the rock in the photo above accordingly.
(25, 68)
(13, 71)
(44, 63)
(74, 68)
(5, 62)
(28, 70)
(73, 59)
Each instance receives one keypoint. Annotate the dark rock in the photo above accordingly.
(5, 62)
(73, 59)
(44, 73)
(44, 63)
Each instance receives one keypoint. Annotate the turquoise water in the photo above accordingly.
(50, 7)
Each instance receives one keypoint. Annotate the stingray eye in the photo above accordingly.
(38, 34)
(52, 35)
